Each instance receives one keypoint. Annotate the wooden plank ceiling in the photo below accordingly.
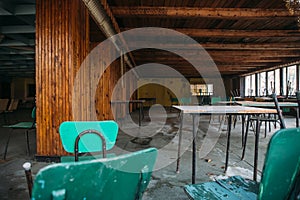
(241, 36)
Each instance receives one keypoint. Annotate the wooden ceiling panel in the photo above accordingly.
(240, 35)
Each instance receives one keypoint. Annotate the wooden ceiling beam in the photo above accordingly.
(217, 58)
(218, 46)
(224, 53)
(229, 33)
(188, 12)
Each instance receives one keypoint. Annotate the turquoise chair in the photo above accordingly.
(27, 126)
(79, 137)
(174, 101)
(185, 101)
(279, 177)
(124, 177)
(215, 100)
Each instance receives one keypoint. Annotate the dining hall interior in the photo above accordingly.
(154, 99)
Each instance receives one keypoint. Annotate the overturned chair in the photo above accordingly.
(280, 176)
(124, 177)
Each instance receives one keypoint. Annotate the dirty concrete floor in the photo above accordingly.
(160, 132)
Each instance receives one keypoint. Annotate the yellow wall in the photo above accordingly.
(163, 89)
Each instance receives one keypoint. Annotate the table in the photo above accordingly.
(225, 103)
(151, 101)
(138, 102)
(272, 105)
(196, 111)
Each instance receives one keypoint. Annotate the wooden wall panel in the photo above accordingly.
(106, 85)
(61, 44)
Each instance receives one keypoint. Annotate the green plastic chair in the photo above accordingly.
(174, 101)
(124, 177)
(79, 137)
(279, 176)
(185, 101)
(215, 100)
(27, 126)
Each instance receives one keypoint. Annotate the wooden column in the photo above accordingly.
(62, 42)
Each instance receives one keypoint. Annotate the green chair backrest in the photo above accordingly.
(215, 100)
(69, 130)
(33, 113)
(282, 164)
(185, 101)
(123, 177)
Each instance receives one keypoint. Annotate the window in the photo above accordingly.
(284, 81)
(250, 85)
(291, 80)
(262, 84)
(298, 76)
(271, 84)
(277, 81)
(202, 89)
(247, 86)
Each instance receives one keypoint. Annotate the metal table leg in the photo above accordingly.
(195, 119)
(243, 129)
(140, 114)
(179, 141)
(228, 142)
(256, 149)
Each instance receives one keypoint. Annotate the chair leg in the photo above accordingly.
(243, 130)
(27, 141)
(6, 146)
(266, 127)
(234, 120)
(245, 138)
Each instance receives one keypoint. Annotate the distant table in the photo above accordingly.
(138, 102)
(225, 103)
(272, 105)
(196, 111)
(148, 99)
(264, 99)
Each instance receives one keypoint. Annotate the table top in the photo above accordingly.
(266, 104)
(264, 99)
(225, 102)
(225, 110)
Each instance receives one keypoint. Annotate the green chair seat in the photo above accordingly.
(279, 178)
(232, 188)
(122, 177)
(21, 125)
